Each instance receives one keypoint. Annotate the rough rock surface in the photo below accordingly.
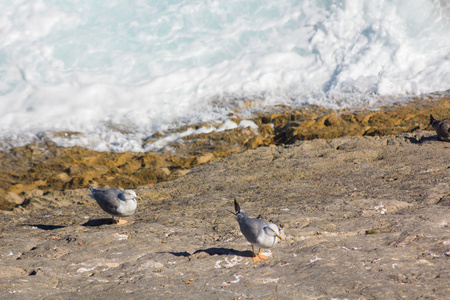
(363, 218)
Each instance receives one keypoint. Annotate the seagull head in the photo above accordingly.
(129, 195)
(272, 230)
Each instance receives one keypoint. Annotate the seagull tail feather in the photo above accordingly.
(237, 208)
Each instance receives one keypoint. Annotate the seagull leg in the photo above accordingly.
(122, 221)
(260, 255)
(114, 221)
(254, 256)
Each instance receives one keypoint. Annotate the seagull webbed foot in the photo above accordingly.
(254, 256)
(262, 256)
(119, 221)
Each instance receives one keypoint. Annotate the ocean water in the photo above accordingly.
(118, 71)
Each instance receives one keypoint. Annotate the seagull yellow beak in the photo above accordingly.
(279, 236)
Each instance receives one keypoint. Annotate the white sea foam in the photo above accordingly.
(118, 71)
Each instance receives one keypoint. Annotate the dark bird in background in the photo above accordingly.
(442, 129)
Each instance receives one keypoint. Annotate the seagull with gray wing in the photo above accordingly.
(257, 232)
(115, 202)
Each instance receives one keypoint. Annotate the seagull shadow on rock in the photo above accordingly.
(179, 254)
(413, 140)
(47, 227)
(224, 251)
(98, 222)
(214, 251)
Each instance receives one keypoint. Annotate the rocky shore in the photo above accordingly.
(43, 166)
(362, 198)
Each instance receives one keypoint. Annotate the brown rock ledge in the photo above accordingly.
(363, 218)
(44, 166)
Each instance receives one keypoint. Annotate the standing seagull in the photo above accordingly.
(442, 129)
(115, 202)
(256, 231)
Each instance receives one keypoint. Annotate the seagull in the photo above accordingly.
(257, 232)
(442, 129)
(115, 202)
